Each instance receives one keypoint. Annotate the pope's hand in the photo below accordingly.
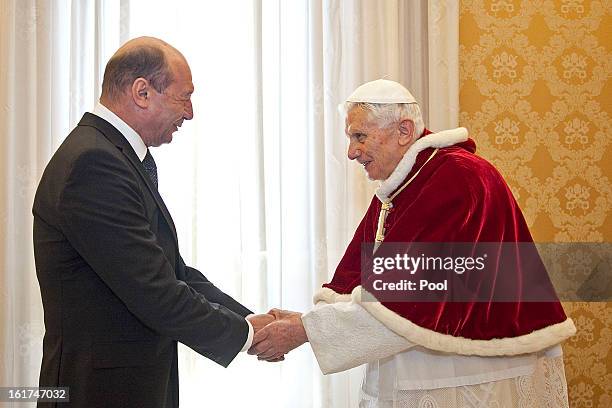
(279, 337)
(280, 313)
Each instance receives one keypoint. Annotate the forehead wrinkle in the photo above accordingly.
(358, 121)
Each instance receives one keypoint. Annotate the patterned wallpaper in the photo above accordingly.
(535, 94)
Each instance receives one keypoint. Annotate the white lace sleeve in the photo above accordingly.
(344, 335)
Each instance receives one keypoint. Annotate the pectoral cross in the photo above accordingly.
(387, 205)
(382, 217)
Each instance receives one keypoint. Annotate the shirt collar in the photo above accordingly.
(130, 134)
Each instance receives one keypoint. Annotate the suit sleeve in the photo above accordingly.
(196, 280)
(103, 216)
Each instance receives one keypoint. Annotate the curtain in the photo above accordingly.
(50, 54)
(258, 183)
(429, 58)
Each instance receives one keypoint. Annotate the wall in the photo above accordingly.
(535, 94)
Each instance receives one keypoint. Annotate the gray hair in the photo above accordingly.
(386, 114)
(145, 61)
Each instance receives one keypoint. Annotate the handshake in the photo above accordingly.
(276, 333)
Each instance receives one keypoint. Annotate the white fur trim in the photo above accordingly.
(437, 140)
(327, 295)
(508, 346)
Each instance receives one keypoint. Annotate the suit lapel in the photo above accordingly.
(129, 153)
(114, 136)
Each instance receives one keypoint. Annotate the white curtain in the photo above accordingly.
(258, 183)
(430, 59)
(50, 56)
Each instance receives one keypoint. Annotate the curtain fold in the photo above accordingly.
(47, 71)
(429, 48)
(443, 46)
(24, 75)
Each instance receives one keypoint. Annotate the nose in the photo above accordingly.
(353, 150)
(188, 114)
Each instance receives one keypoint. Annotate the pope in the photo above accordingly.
(453, 353)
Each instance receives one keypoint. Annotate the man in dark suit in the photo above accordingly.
(117, 295)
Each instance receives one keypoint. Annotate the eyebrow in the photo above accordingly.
(352, 130)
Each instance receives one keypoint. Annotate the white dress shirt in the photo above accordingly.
(130, 134)
(140, 149)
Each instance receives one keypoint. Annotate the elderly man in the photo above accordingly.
(117, 295)
(470, 352)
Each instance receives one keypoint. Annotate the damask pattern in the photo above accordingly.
(535, 94)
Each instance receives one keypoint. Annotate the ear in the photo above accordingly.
(141, 92)
(406, 129)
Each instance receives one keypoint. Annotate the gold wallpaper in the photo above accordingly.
(535, 94)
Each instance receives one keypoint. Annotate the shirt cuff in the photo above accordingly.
(249, 340)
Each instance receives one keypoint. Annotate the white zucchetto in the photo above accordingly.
(381, 91)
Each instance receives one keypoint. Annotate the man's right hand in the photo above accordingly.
(259, 322)
(280, 336)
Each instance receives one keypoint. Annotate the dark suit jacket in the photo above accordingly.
(116, 294)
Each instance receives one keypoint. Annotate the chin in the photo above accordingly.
(167, 139)
(372, 177)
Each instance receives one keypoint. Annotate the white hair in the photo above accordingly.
(386, 114)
